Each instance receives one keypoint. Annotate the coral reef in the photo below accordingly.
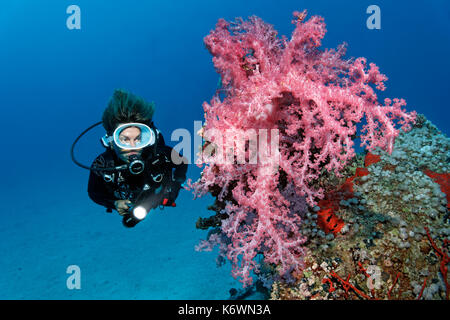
(310, 100)
(396, 227)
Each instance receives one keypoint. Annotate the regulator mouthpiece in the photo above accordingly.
(136, 165)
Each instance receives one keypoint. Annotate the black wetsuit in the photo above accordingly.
(160, 172)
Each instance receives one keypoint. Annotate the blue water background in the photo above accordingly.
(54, 82)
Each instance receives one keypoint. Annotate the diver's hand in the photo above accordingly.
(172, 193)
(122, 206)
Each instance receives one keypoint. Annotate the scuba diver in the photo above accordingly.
(138, 171)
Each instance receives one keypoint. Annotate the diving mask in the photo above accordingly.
(146, 137)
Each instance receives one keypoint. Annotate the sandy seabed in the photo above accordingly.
(42, 235)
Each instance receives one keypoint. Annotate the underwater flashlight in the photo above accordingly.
(147, 200)
(140, 212)
(135, 215)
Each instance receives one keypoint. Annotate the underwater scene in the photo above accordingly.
(225, 150)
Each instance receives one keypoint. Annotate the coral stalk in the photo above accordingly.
(443, 256)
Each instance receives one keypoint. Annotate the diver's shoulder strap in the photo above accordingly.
(159, 160)
(104, 160)
(159, 167)
(159, 137)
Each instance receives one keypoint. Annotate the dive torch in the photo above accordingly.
(146, 201)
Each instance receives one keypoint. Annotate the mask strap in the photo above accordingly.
(106, 141)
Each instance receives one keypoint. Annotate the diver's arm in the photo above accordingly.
(179, 163)
(179, 167)
(179, 173)
(98, 192)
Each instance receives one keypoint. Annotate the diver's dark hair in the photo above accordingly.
(126, 107)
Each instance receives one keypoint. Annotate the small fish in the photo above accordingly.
(301, 16)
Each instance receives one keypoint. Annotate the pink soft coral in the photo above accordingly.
(314, 99)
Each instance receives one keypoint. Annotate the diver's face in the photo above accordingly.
(130, 136)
